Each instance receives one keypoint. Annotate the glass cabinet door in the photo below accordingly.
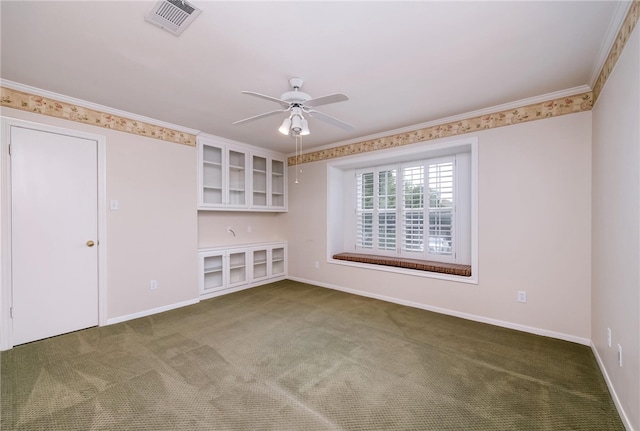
(260, 268)
(277, 261)
(237, 178)
(213, 273)
(212, 175)
(237, 268)
(259, 181)
(277, 183)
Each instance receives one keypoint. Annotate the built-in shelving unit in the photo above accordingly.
(228, 269)
(238, 177)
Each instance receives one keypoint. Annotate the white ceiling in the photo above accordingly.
(400, 63)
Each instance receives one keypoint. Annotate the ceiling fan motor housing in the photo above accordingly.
(296, 83)
(296, 96)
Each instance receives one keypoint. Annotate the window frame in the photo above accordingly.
(341, 192)
(378, 244)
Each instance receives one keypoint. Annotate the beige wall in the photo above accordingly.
(154, 233)
(264, 227)
(534, 234)
(616, 228)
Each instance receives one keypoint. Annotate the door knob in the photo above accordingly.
(90, 243)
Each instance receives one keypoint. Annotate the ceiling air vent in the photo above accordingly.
(172, 15)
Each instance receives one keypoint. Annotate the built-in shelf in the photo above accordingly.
(228, 269)
(238, 177)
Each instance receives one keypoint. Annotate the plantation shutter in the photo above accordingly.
(364, 210)
(441, 206)
(387, 209)
(413, 209)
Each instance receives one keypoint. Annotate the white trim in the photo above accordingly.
(101, 108)
(475, 229)
(465, 116)
(169, 307)
(6, 323)
(623, 415)
(156, 310)
(102, 230)
(6, 330)
(462, 315)
(619, 15)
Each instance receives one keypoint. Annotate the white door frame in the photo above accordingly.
(6, 302)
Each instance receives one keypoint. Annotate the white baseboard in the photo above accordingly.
(625, 419)
(145, 313)
(190, 301)
(482, 319)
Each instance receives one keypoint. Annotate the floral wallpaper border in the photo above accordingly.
(552, 108)
(29, 102)
(628, 25)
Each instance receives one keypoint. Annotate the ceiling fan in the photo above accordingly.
(298, 103)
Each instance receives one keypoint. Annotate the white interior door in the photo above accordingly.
(54, 233)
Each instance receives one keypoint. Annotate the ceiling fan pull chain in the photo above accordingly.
(297, 137)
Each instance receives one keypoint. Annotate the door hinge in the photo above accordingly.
(9, 149)
(11, 312)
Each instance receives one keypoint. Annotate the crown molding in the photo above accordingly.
(617, 20)
(94, 106)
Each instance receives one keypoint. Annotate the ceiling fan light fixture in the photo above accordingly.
(304, 131)
(296, 124)
(286, 126)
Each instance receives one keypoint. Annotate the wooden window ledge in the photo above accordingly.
(401, 262)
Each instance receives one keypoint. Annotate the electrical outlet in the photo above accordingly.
(522, 296)
(316, 264)
(609, 337)
(153, 284)
(619, 355)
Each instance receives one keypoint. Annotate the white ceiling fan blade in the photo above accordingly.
(325, 100)
(257, 117)
(264, 96)
(329, 119)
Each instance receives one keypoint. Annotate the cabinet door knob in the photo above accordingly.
(90, 243)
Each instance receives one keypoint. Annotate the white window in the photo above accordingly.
(408, 209)
(416, 201)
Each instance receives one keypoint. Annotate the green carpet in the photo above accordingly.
(290, 356)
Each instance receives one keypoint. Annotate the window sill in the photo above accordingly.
(423, 268)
